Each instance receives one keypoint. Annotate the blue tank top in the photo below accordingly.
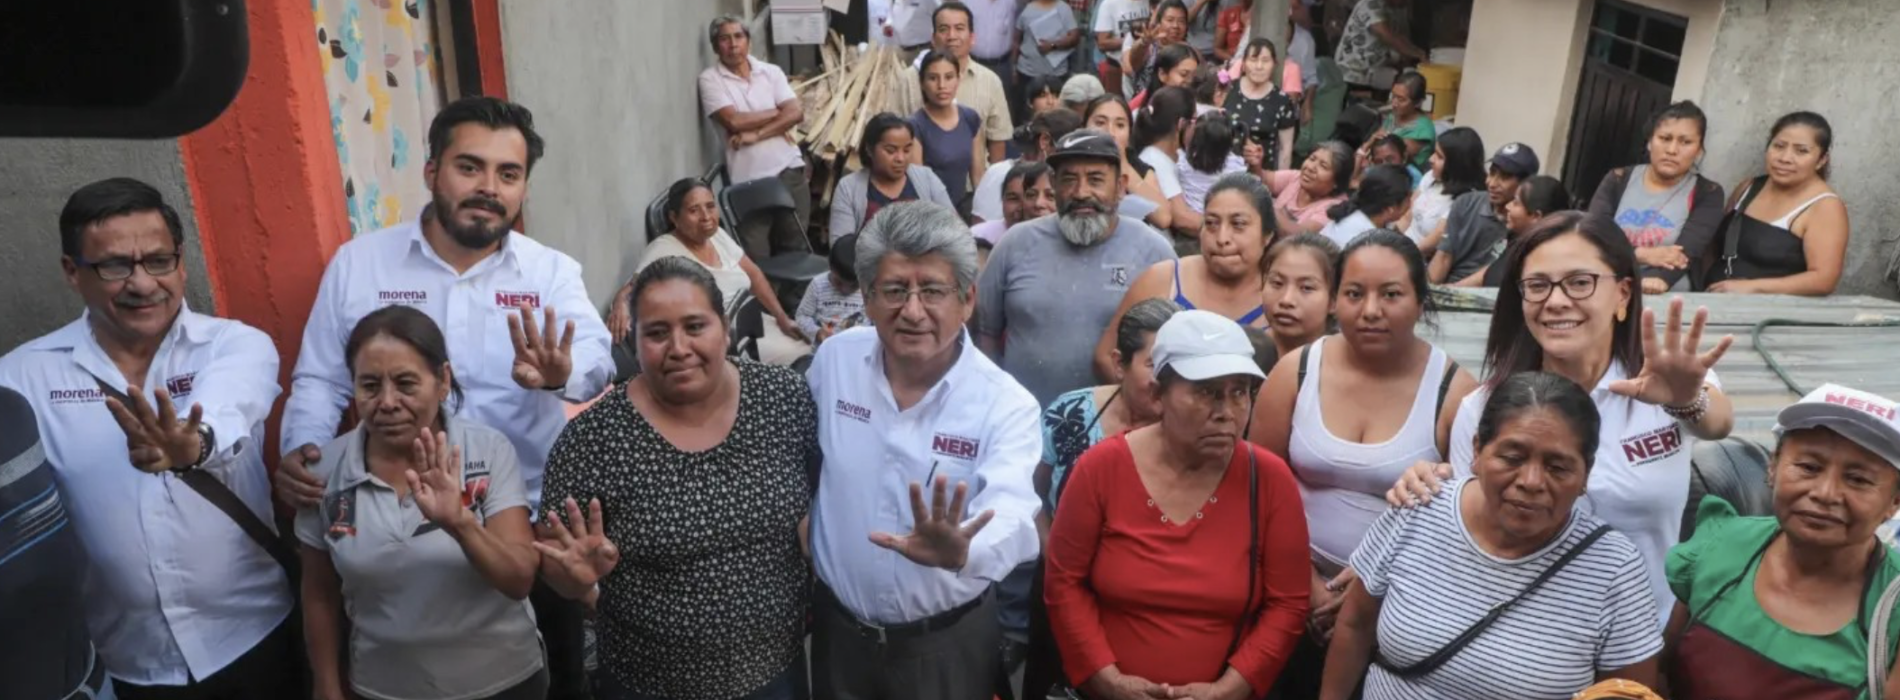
(1186, 305)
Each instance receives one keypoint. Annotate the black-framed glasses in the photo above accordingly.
(1578, 286)
(115, 269)
(895, 296)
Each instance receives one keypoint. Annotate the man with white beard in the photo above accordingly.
(1053, 283)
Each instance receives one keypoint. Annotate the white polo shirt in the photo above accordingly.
(1640, 481)
(767, 87)
(175, 590)
(396, 266)
(977, 426)
(992, 27)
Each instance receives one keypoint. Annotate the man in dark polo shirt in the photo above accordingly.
(48, 653)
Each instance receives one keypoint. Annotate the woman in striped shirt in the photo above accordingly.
(1505, 590)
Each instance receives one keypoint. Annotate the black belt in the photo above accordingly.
(885, 634)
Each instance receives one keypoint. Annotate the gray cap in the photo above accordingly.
(1082, 88)
(1085, 143)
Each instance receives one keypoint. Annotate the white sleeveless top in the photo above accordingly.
(1343, 483)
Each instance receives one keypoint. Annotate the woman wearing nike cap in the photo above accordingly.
(1177, 563)
(1782, 606)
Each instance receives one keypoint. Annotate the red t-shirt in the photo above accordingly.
(1161, 600)
(1235, 20)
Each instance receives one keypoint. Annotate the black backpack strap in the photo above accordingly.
(1444, 386)
(1444, 654)
(1300, 376)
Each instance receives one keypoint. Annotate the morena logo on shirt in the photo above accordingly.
(180, 385)
(1653, 445)
(954, 446)
(406, 297)
(512, 300)
(1885, 411)
(854, 411)
(59, 396)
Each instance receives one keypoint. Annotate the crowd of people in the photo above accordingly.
(1141, 412)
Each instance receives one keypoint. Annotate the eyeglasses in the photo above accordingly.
(115, 269)
(895, 296)
(1578, 286)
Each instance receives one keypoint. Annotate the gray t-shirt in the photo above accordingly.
(1472, 234)
(424, 623)
(1654, 219)
(1049, 299)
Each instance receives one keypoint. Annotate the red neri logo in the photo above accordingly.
(1653, 445)
(1885, 411)
(953, 446)
(181, 384)
(511, 300)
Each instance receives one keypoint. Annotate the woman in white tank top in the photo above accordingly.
(1353, 411)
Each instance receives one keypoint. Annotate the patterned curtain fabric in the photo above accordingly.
(380, 71)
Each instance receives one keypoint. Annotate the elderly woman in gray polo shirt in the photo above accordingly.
(422, 537)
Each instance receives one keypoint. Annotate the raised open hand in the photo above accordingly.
(1674, 369)
(156, 440)
(938, 537)
(575, 555)
(543, 360)
(437, 488)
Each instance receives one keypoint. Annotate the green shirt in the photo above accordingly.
(1422, 130)
(1724, 551)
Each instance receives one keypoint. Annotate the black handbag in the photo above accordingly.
(1731, 228)
(1438, 658)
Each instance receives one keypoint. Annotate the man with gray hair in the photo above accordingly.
(753, 102)
(909, 406)
(1054, 283)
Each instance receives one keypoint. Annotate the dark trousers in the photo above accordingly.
(268, 670)
(784, 687)
(763, 237)
(560, 621)
(958, 662)
(535, 688)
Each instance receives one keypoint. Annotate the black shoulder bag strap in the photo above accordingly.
(1300, 376)
(1732, 227)
(1253, 549)
(1444, 387)
(1444, 654)
(221, 497)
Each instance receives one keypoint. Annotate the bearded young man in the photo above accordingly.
(1053, 284)
(522, 333)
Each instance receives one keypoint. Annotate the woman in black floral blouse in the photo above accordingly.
(696, 474)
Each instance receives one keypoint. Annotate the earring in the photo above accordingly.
(1622, 313)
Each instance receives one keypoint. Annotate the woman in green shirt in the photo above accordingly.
(1406, 121)
(1781, 607)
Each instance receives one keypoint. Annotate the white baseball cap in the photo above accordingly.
(1203, 345)
(1867, 419)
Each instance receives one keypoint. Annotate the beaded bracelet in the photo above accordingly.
(1693, 412)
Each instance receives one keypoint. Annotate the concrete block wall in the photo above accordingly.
(1839, 59)
(614, 89)
(36, 177)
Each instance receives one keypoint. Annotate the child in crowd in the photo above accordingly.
(1390, 150)
(1043, 93)
(1208, 156)
(833, 302)
(1210, 88)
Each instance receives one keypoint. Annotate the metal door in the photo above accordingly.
(1629, 71)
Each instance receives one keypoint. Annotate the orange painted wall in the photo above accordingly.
(266, 185)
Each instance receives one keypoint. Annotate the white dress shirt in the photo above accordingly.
(977, 426)
(175, 590)
(993, 27)
(397, 266)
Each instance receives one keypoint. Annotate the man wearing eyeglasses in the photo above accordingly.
(148, 410)
(909, 410)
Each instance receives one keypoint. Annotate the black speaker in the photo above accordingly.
(118, 68)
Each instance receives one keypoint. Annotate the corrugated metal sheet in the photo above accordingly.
(1854, 341)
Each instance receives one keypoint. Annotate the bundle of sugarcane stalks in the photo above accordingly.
(854, 84)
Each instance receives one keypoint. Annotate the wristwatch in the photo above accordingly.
(207, 446)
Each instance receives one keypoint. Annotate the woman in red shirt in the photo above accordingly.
(1148, 582)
